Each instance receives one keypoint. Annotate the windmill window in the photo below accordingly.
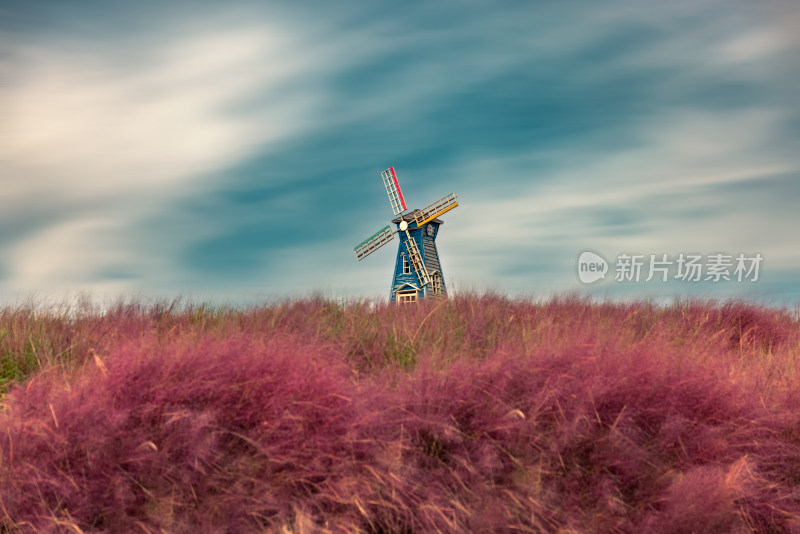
(436, 284)
(406, 266)
(406, 297)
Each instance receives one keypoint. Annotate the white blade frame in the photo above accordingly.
(373, 242)
(396, 199)
(439, 207)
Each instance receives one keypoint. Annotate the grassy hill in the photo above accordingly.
(474, 414)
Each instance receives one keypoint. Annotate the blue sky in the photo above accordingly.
(233, 152)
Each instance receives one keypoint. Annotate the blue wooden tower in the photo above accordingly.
(417, 271)
(408, 283)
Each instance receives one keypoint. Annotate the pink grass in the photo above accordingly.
(477, 414)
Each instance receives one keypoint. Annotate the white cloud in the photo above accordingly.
(684, 160)
(74, 250)
(87, 122)
(110, 135)
(754, 45)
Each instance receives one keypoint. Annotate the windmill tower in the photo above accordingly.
(417, 271)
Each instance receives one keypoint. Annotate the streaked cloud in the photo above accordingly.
(107, 136)
(236, 151)
(81, 122)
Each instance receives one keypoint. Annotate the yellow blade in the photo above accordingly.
(434, 210)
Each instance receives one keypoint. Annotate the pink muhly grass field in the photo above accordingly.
(474, 414)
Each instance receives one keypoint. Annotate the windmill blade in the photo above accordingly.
(373, 242)
(393, 189)
(415, 259)
(439, 207)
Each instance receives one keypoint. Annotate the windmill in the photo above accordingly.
(417, 271)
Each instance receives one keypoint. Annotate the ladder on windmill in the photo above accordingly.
(415, 258)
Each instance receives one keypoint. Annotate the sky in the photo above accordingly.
(231, 152)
